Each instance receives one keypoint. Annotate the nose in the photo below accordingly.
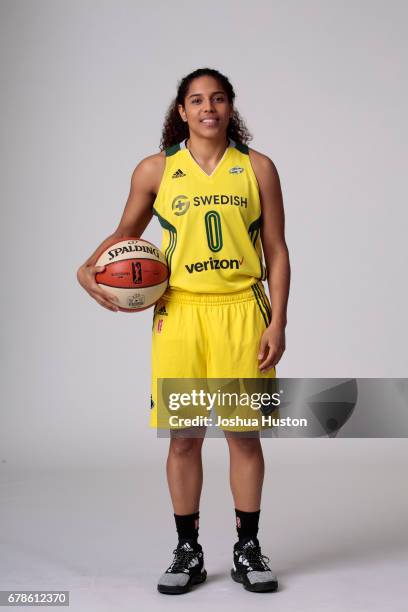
(208, 106)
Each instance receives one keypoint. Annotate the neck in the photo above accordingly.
(207, 150)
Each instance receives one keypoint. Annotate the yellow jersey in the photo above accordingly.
(211, 222)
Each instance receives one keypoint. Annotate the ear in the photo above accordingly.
(182, 112)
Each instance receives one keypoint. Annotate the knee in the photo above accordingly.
(245, 446)
(181, 447)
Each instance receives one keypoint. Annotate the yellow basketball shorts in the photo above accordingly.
(208, 336)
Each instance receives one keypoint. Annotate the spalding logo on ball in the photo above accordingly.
(136, 272)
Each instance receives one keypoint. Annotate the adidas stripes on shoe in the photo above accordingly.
(186, 569)
(250, 567)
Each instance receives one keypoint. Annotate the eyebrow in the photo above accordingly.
(199, 94)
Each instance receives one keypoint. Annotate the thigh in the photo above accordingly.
(234, 339)
(234, 335)
(178, 349)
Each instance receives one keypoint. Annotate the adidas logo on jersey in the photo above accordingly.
(178, 173)
(236, 170)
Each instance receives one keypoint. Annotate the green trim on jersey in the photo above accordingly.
(172, 150)
(265, 302)
(172, 237)
(262, 303)
(254, 231)
(254, 228)
(242, 147)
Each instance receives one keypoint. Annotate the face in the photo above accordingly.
(207, 109)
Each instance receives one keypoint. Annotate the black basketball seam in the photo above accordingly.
(134, 287)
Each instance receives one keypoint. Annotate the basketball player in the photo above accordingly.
(220, 205)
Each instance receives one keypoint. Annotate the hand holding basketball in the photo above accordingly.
(135, 271)
(86, 278)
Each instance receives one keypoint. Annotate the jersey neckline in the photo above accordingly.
(183, 145)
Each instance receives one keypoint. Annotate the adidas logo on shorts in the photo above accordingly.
(162, 311)
(178, 174)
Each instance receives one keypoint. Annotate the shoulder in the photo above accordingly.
(152, 163)
(150, 170)
(262, 165)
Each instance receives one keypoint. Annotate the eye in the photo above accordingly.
(195, 100)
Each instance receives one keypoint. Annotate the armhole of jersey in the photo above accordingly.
(258, 240)
(253, 174)
(156, 202)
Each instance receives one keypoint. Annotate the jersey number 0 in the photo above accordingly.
(213, 230)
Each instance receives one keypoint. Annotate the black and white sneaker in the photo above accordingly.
(250, 567)
(186, 569)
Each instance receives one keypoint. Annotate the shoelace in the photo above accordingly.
(256, 559)
(181, 560)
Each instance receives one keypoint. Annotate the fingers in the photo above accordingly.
(263, 348)
(267, 364)
(105, 299)
(105, 303)
(264, 356)
(86, 277)
(270, 359)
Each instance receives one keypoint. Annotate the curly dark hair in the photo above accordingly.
(175, 129)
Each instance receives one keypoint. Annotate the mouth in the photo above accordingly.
(210, 122)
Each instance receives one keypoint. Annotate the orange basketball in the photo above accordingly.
(136, 272)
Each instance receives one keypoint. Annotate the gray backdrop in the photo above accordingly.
(85, 86)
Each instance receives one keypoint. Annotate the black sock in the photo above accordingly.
(247, 523)
(187, 526)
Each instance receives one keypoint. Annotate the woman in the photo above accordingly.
(218, 200)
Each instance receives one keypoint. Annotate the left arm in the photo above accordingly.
(276, 253)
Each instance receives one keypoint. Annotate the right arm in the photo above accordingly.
(135, 218)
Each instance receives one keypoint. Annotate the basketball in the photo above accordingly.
(136, 272)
